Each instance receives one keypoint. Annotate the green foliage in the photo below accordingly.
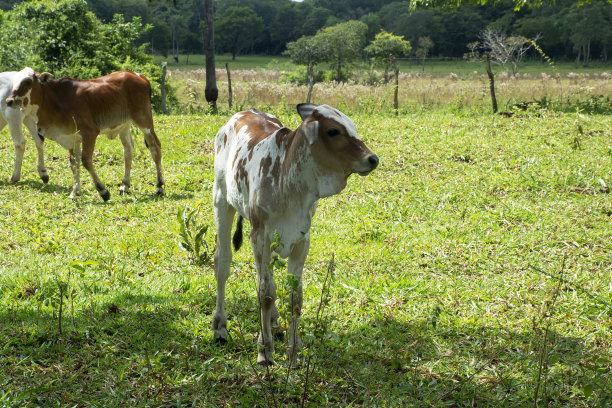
(192, 235)
(65, 38)
(309, 51)
(237, 29)
(386, 47)
(344, 42)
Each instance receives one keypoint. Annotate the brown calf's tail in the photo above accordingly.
(237, 238)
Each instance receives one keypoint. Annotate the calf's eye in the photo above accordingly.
(333, 132)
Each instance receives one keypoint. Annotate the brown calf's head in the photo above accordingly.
(334, 140)
(24, 85)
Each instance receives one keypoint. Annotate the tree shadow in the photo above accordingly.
(152, 347)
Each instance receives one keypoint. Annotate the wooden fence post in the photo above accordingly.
(229, 86)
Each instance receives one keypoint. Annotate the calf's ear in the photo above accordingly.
(311, 130)
(305, 109)
(45, 77)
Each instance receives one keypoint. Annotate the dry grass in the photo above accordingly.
(265, 88)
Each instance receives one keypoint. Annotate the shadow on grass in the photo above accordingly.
(143, 350)
(37, 185)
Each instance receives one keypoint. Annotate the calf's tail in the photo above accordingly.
(237, 238)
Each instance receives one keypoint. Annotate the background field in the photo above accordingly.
(273, 83)
(472, 268)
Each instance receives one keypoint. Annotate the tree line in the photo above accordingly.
(564, 29)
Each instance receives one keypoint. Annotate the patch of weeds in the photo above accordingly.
(192, 235)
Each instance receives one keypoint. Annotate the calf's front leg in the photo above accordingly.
(128, 152)
(40, 148)
(89, 143)
(75, 166)
(14, 121)
(266, 293)
(297, 257)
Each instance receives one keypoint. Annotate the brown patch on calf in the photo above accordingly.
(282, 136)
(265, 165)
(235, 157)
(259, 126)
(339, 152)
(276, 169)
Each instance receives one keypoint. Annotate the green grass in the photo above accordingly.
(241, 62)
(433, 67)
(472, 267)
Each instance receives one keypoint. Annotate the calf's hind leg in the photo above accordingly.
(40, 148)
(154, 146)
(224, 215)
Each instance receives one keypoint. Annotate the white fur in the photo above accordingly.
(15, 117)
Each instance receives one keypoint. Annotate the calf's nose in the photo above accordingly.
(373, 160)
(10, 102)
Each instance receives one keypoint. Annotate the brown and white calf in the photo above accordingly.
(74, 112)
(15, 118)
(274, 177)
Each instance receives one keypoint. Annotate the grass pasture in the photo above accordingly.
(472, 268)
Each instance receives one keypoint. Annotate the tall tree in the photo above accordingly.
(384, 49)
(211, 92)
(309, 51)
(505, 49)
(584, 26)
(346, 41)
(425, 45)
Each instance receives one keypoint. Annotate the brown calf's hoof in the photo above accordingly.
(105, 195)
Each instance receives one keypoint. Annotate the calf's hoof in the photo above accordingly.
(219, 332)
(105, 195)
(45, 178)
(265, 358)
(14, 179)
(220, 341)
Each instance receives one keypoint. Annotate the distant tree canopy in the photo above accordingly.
(237, 29)
(450, 25)
(518, 4)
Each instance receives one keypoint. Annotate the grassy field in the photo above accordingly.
(269, 84)
(472, 268)
(434, 67)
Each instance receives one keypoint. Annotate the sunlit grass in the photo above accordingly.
(448, 258)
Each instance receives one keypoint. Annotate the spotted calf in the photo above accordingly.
(274, 177)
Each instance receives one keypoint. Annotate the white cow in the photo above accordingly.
(274, 177)
(15, 117)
